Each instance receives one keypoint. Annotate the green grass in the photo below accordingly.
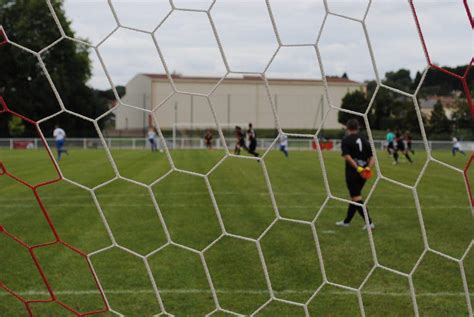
(239, 189)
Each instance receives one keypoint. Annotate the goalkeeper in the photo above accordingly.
(359, 159)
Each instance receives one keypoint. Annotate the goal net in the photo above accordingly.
(247, 224)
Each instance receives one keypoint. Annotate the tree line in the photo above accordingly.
(391, 110)
(23, 83)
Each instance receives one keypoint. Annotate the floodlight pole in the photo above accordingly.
(228, 109)
(175, 123)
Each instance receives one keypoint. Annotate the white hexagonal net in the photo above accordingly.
(206, 13)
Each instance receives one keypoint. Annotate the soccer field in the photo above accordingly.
(298, 257)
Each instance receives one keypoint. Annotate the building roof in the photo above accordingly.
(248, 78)
(430, 101)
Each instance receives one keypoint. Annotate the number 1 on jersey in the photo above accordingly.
(359, 142)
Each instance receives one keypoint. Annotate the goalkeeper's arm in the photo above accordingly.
(351, 161)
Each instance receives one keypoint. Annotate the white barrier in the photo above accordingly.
(198, 143)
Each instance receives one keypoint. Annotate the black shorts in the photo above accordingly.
(354, 183)
(390, 145)
(253, 145)
(401, 146)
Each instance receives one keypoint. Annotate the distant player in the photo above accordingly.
(359, 160)
(400, 147)
(59, 138)
(456, 147)
(151, 136)
(408, 142)
(252, 137)
(390, 137)
(240, 140)
(208, 139)
(284, 144)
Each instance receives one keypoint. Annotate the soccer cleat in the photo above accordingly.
(394, 163)
(342, 224)
(372, 226)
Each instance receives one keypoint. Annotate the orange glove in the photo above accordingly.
(366, 173)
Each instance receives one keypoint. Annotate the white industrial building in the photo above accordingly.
(300, 103)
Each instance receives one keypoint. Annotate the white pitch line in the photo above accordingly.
(321, 193)
(237, 291)
(164, 205)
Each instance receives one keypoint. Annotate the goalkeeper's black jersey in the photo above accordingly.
(358, 148)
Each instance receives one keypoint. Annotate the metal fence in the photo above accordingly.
(301, 144)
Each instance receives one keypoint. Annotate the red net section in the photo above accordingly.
(462, 79)
(32, 249)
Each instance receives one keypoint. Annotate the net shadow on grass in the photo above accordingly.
(346, 250)
(237, 274)
(290, 254)
(334, 301)
(131, 215)
(178, 269)
(54, 259)
(21, 214)
(19, 273)
(242, 196)
(118, 269)
(276, 308)
(82, 227)
(386, 289)
(398, 236)
(447, 215)
(297, 181)
(191, 222)
(436, 274)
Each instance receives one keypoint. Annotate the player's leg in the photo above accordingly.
(453, 150)
(395, 157)
(358, 199)
(252, 148)
(408, 157)
(353, 185)
(58, 150)
(285, 150)
(152, 144)
(237, 149)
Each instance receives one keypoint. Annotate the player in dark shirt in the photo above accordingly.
(208, 139)
(252, 140)
(240, 140)
(408, 141)
(358, 156)
(400, 148)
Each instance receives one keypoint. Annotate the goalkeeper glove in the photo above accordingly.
(366, 173)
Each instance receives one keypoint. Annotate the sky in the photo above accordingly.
(249, 42)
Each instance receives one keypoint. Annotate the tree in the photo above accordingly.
(462, 115)
(439, 122)
(22, 81)
(16, 126)
(354, 101)
(400, 79)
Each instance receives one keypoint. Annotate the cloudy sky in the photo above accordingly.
(249, 41)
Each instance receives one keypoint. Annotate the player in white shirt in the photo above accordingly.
(59, 138)
(457, 147)
(284, 144)
(151, 136)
